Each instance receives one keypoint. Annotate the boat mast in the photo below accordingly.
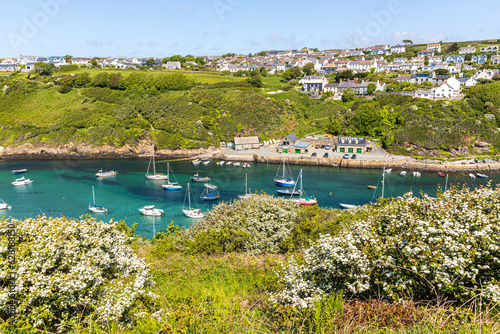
(154, 167)
(246, 181)
(189, 197)
(383, 183)
(93, 194)
(446, 183)
(168, 174)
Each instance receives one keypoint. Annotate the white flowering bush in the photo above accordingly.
(418, 248)
(256, 225)
(71, 270)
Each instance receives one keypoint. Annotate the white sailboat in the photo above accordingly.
(350, 206)
(94, 208)
(303, 199)
(155, 176)
(285, 179)
(247, 194)
(171, 185)
(3, 205)
(191, 212)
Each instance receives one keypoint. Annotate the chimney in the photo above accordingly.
(340, 81)
(356, 80)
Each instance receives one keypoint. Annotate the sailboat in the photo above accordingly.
(94, 208)
(246, 194)
(3, 205)
(171, 185)
(303, 199)
(190, 212)
(155, 176)
(210, 193)
(285, 179)
(383, 187)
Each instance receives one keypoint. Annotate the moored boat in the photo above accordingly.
(210, 194)
(196, 162)
(441, 174)
(403, 173)
(472, 176)
(171, 185)
(417, 174)
(347, 206)
(101, 173)
(246, 194)
(246, 165)
(197, 178)
(93, 207)
(155, 176)
(288, 192)
(303, 199)
(191, 212)
(19, 171)
(371, 187)
(150, 210)
(22, 181)
(3, 205)
(236, 164)
(285, 179)
(483, 176)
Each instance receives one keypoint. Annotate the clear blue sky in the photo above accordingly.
(162, 28)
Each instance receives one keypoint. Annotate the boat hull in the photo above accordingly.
(4, 206)
(210, 197)
(106, 174)
(200, 179)
(157, 177)
(19, 171)
(98, 209)
(196, 214)
(289, 192)
(285, 183)
(347, 206)
(171, 187)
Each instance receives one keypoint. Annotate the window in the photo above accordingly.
(358, 150)
(342, 150)
(350, 150)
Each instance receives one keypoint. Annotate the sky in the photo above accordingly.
(161, 28)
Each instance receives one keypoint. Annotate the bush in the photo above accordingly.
(256, 225)
(68, 68)
(64, 89)
(70, 271)
(420, 248)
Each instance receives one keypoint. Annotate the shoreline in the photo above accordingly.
(28, 152)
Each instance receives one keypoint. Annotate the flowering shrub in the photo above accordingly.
(418, 248)
(258, 224)
(71, 270)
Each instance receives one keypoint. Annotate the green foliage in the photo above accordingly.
(64, 89)
(308, 69)
(44, 69)
(348, 95)
(292, 73)
(255, 81)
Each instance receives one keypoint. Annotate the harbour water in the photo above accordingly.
(63, 187)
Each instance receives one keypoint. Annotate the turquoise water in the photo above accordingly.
(63, 187)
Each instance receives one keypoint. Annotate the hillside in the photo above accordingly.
(196, 109)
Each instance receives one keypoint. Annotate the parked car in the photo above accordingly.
(353, 156)
(316, 147)
(327, 147)
(314, 154)
(322, 146)
(325, 155)
(346, 156)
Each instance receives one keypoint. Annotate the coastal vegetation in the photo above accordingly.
(405, 265)
(185, 109)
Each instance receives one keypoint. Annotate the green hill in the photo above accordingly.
(199, 109)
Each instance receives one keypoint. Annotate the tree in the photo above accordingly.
(371, 89)
(334, 127)
(348, 95)
(292, 73)
(263, 71)
(453, 48)
(255, 81)
(308, 69)
(116, 82)
(442, 71)
(101, 80)
(200, 61)
(426, 61)
(150, 62)
(68, 58)
(408, 42)
(44, 69)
